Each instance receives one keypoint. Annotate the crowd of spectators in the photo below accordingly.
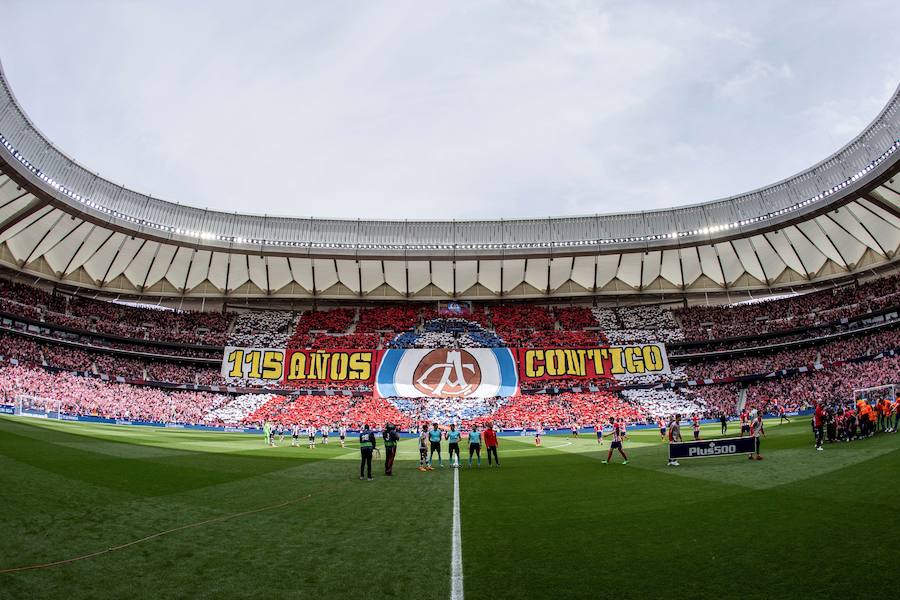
(448, 333)
(79, 395)
(388, 318)
(834, 384)
(561, 411)
(575, 318)
(801, 310)
(22, 349)
(446, 410)
(329, 411)
(237, 409)
(120, 366)
(24, 300)
(561, 338)
(512, 325)
(516, 324)
(112, 318)
(828, 352)
(335, 320)
(638, 324)
(342, 341)
(662, 403)
(71, 359)
(262, 329)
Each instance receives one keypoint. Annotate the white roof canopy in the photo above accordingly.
(61, 222)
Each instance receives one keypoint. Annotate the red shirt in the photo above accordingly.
(820, 415)
(490, 437)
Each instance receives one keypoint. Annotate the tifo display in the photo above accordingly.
(496, 369)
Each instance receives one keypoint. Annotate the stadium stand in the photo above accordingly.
(390, 318)
(91, 396)
(713, 322)
(561, 411)
(103, 330)
(262, 329)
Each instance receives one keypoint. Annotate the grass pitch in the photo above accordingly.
(196, 515)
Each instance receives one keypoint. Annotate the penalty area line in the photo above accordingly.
(456, 568)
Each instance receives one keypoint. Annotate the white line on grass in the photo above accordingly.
(456, 570)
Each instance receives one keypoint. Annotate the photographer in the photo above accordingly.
(366, 449)
(391, 436)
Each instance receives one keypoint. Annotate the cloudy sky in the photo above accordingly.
(449, 109)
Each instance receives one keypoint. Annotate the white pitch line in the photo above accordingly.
(456, 569)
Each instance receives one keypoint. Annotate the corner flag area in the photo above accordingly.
(117, 511)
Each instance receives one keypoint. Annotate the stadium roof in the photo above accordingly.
(61, 222)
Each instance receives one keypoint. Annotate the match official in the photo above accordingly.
(366, 449)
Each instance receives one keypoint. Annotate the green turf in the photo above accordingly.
(553, 522)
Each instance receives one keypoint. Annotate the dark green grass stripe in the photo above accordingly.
(144, 477)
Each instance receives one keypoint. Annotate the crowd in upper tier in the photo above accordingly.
(511, 324)
(828, 352)
(110, 318)
(716, 322)
(263, 329)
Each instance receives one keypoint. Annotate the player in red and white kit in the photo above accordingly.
(757, 430)
(819, 424)
(618, 434)
(783, 414)
(674, 436)
(695, 422)
(662, 428)
(745, 423)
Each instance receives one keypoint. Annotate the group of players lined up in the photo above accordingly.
(430, 444)
(839, 422)
(279, 432)
(430, 441)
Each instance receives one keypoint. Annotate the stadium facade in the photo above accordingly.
(63, 224)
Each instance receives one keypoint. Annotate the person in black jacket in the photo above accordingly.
(391, 436)
(366, 449)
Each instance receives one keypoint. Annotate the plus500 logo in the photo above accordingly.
(713, 450)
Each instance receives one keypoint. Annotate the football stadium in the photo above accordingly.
(698, 401)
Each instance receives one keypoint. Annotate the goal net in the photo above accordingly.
(877, 393)
(35, 406)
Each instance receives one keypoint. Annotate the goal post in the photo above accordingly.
(36, 406)
(876, 393)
